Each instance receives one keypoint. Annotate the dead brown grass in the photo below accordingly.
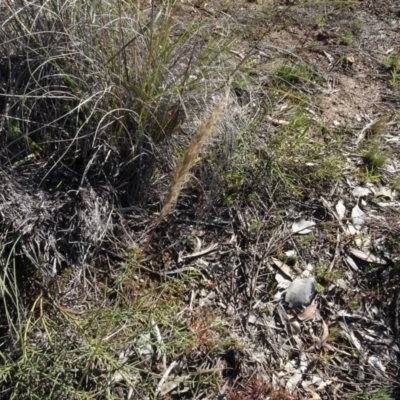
(182, 170)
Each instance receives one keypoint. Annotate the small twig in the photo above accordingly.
(201, 253)
(364, 130)
(334, 214)
(277, 121)
(396, 316)
(160, 341)
(336, 254)
(179, 270)
(165, 376)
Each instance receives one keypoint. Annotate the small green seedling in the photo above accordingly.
(325, 275)
(392, 63)
(357, 26)
(355, 304)
(396, 183)
(255, 227)
(294, 74)
(347, 38)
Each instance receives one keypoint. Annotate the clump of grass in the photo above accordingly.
(325, 275)
(379, 127)
(347, 38)
(304, 153)
(396, 183)
(381, 394)
(357, 26)
(99, 94)
(294, 74)
(120, 75)
(355, 304)
(112, 348)
(392, 62)
(335, 333)
(255, 227)
(375, 157)
(233, 182)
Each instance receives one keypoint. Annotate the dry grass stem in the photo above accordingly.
(182, 171)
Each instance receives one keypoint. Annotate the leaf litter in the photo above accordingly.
(296, 317)
(303, 227)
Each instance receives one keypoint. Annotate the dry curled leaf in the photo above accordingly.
(357, 217)
(340, 209)
(303, 226)
(361, 191)
(325, 334)
(350, 230)
(283, 267)
(351, 263)
(308, 314)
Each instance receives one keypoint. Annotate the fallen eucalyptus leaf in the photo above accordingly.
(340, 209)
(283, 267)
(357, 217)
(300, 292)
(350, 230)
(294, 380)
(386, 192)
(369, 257)
(308, 314)
(389, 204)
(375, 362)
(282, 281)
(325, 334)
(172, 383)
(314, 395)
(303, 226)
(361, 192)
(351, 337)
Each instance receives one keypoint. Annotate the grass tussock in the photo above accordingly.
(114, 349)
(95, 96)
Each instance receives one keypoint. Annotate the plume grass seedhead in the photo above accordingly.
(181, 173)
